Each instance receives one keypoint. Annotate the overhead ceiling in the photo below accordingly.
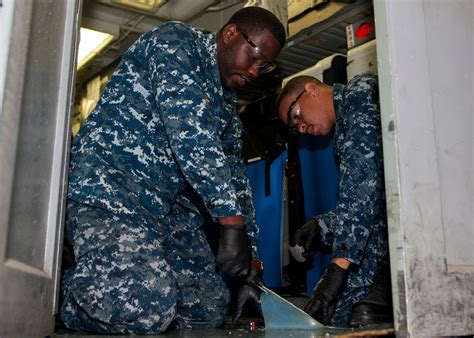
(303, 49)
(129, 23)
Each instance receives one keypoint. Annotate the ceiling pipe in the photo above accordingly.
(176, 10)
(183, 10)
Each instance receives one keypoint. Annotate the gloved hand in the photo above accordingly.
(235, 252)
(307, 240)
(309, 235)
(323, 300)
(249, 293)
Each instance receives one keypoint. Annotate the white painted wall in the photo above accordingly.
(425, 63)
(449, 40)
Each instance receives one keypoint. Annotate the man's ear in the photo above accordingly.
(229, 33)
(312, 89)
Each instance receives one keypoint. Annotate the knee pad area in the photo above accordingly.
(118, 298)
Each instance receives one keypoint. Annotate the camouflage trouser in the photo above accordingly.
(132, 278)
(350, 296)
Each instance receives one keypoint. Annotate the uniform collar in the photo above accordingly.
(338, 98)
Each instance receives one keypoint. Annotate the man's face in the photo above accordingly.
(303, 112)
(244, 57)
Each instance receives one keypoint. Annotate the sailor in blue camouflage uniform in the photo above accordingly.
(165, 124)
(357, 229)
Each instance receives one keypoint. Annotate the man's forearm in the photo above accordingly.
(341, 262)
(237, 220)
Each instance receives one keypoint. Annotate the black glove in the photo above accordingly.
(309, 236)
(322, 303)
(235, 252)
(249, 293)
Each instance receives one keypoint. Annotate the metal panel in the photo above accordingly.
(361, 59)
(34, 139)
(423, 113)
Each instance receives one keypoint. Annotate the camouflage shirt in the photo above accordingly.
(357, 229)
(164, 121)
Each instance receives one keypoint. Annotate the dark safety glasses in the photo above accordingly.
(291, 117)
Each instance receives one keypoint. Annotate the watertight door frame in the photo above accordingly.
(425, 67)
(34, 146)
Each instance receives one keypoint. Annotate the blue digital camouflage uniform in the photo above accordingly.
(357, 228)
(164, 122)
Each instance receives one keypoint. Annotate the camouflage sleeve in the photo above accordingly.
(327, 222)
(233, 148)
(361, 184)
(191, 126)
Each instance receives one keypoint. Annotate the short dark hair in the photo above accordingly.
(253, 20)
(294, 85)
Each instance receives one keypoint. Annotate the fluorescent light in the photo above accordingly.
(145, 5)
(90, 44)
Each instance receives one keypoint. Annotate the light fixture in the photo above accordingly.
(90, 44)
(144, 5)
